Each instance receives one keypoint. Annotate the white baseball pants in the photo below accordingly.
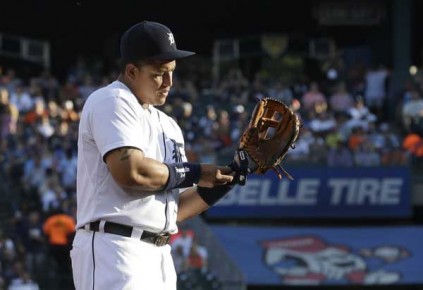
(106, 261)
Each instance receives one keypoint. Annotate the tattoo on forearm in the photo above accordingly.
(125, 152)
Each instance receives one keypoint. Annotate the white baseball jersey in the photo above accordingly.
(111, 118)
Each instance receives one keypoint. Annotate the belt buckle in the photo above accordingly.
(161, 240)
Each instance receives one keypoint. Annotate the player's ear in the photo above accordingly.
(131, 70)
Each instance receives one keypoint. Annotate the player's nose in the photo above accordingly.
(167, 79)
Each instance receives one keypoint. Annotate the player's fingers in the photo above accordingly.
(225, 170)
(224, 177)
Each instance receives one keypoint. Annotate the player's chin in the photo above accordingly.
(161, 99)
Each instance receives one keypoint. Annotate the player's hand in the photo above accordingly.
(212, 175)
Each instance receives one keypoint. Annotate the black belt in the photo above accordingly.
(126, 231)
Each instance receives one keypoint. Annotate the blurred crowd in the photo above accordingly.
(349, 119)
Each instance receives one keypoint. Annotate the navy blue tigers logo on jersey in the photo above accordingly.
(176, 152)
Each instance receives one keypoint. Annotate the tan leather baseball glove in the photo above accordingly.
(272, 130)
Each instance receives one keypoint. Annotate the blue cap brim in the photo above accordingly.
(174, 54)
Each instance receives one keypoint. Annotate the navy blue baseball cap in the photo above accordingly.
(149, 40)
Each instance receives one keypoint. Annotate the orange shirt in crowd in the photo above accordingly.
(355, 141)
(414, 144)
(58, 227)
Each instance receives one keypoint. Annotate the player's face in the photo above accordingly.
(153, 81)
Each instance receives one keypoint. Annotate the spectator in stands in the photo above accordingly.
(54, 111)
(366, 155)
(333, 137)
(313, 99)
(14, 172)
(51, 195)
(223, 129)
(238, 121)
(66, 168)
(68, 112)
(340, 156)
(50, 86)
(341, 100)
(282, 92)
(179, 259)
(318, 151)
(31, 231)
(413, 143)
(196, 259)
(360, 114)
(21, 99)
(334, 67)
(188, 121)
(409, 88)
(184, 239)
(302, 146)
(182, 91)
(9, 115)
(205, 149)
(202, 252)
(14, 271)
(300, 87)
(357, 137)
(388, 144)
(233, 85)
(375, 93)
(10, 80)
(208, 122)
(87, 87)
(44, 127)
(34, 171)
(36, 113)
(7, 247)
(35, 90)
(412, 113)
(323, 124)
(59, 229)
(23, 282)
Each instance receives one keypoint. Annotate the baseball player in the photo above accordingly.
(133, 179)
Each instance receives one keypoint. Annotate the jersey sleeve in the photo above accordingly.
(116, 123)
